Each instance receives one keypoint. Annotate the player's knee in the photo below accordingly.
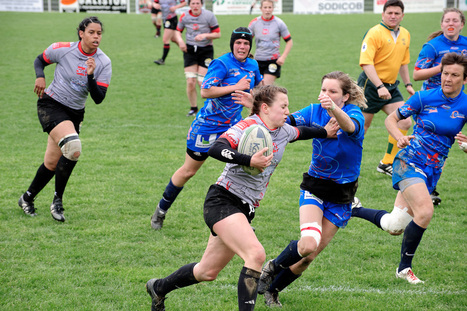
(396, 221)
(154, 19)
(310, 238)
(70, 145)
(256, 256)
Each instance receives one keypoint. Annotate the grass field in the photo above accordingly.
(102, 256)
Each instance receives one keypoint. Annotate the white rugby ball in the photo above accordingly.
(255, 138)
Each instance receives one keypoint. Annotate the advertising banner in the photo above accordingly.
(415, 6)
(463, 5)
(22, 5)
(229, 7)
(103, 6)
(328, 6)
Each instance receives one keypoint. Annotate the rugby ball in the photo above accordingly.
(255, 138)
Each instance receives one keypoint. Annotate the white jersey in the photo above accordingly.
(205, 22)
(250, 188)
(268, 34)
(70, 84)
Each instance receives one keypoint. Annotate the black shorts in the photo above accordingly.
(221, 203)
(269, 67)
(197, 156)
(171, 23)
(375, 103)
(155, 11)
(198, 55)
(51, 113)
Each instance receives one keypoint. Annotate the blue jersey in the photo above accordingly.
(221, 113)
(437, 120)
(433, 51)
(334, 159)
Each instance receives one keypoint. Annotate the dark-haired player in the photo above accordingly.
(82, 69)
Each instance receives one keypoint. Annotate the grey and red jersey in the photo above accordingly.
(268, 34)
(205, 22)
(251, 189)
(165, 8)
(70, 84)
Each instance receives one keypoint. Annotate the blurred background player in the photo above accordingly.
(428, 65)
(201, 28)
(169, 16)
(384, 55)
(81, 69)
(231, 72)
(156, 17)
(268, 30)
(439, 115)
(329, 186)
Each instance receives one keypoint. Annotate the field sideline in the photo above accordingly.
(102, 256)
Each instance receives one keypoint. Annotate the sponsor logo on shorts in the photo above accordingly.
(272, 68)
(207, 61)
(167, 24)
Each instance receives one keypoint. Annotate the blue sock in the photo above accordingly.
(372, 215)
(170, 194)
(288, 257)
(282, 280)
(412, 236)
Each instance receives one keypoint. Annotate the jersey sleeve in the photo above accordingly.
(426, 58)
(216, 73)
(53, 53)
(357, 118)
(412, 106)
(284, 31)
(213, 23)
(369, 48)
(104, 76)
(181, 23)
(406, 59)
(302, 116)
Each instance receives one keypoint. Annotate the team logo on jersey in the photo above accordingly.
(195, 27)
(364, 46)
(457, 114)
(81, 71)
(265, 31)
(272, 68)
(207, 61)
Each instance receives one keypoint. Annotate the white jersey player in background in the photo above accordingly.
(268, 30)
(201, 28)
(82, 69)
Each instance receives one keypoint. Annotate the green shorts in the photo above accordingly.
(371, 93)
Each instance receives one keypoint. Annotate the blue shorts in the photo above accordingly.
(402, 170)
(200, 142)
(338, 214)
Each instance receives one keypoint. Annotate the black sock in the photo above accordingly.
(412, 236)
(166, 51)
(62, 174)
(288, 257)
(42, 178)
(282, 280)
(247, 289)
(183, 277)
(372, 215)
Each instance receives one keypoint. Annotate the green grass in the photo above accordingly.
(102, 256)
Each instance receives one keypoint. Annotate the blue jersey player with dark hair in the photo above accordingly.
(329, 186)
(439, 115)
(231, 72)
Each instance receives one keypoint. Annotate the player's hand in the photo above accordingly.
(91, 65)
(39, 86)
(243, 98)
(410, 90)
(331, 128)
(182, 46)
(243, 84)
(404, 141)
(260, 161)
(383, 93)
(200, 37)
(280, 61)
(326, 102)
(462, 141)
